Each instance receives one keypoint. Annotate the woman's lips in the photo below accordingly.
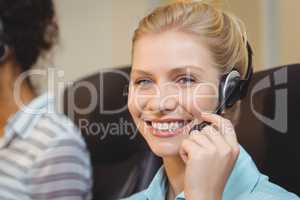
(162, 131)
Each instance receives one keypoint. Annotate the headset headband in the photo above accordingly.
(246, 82)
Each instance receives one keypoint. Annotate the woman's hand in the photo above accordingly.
(209, 156)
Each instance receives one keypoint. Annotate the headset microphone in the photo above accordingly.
(231, 89)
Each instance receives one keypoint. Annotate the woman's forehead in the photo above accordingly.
(170, 50)
(171, 69)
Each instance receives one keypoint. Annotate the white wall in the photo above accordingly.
(96, 34)
(289, 31)
(251, 13)
(273, 28)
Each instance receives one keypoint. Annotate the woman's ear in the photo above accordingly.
(4, 52)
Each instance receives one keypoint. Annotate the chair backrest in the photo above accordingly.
(122, 162)
(268, 127)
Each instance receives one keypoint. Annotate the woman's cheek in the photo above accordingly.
(133, 103)
(196, 101)
(137, 102)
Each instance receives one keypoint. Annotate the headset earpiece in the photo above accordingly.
(232, 88)
(228, 91)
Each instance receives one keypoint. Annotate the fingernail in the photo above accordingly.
(194, 132)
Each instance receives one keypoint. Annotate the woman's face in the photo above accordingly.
(172, 81)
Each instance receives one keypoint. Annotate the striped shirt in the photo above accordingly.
(43, 156)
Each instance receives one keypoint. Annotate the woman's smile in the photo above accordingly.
(167, 127)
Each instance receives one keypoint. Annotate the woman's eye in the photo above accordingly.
(186, 80)
(143, 82)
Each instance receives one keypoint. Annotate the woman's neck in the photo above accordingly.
(175, 169)
(8, 102)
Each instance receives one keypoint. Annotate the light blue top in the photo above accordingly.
(244, 183)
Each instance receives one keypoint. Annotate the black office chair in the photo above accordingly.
(274, 148)
(122, 162)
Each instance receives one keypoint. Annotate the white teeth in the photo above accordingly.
(167, 126)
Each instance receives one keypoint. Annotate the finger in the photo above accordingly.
(214, 119)
(210, 130)
(188, 147)
(223, 147)
(229, 133)
(200, 138)
(220, 123)
(215, 137)
(224, 126)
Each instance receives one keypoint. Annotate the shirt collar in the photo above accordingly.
(22, 122)
(158, 187)
(243, 178)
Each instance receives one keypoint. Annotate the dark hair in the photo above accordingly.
(30, 29)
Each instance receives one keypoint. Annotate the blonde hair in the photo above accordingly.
(223, 33)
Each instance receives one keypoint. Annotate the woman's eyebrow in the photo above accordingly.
(140, 72)
(186, 69)
(183, 69)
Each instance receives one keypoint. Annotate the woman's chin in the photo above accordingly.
(165, 149)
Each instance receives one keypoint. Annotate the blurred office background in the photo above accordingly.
(96, 34)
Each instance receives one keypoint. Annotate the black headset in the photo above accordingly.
(4, 49)
(231, 88)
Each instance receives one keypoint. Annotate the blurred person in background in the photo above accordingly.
(42, 154)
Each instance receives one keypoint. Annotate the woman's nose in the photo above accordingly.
(165, 101)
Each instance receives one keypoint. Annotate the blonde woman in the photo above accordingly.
(181, 53)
